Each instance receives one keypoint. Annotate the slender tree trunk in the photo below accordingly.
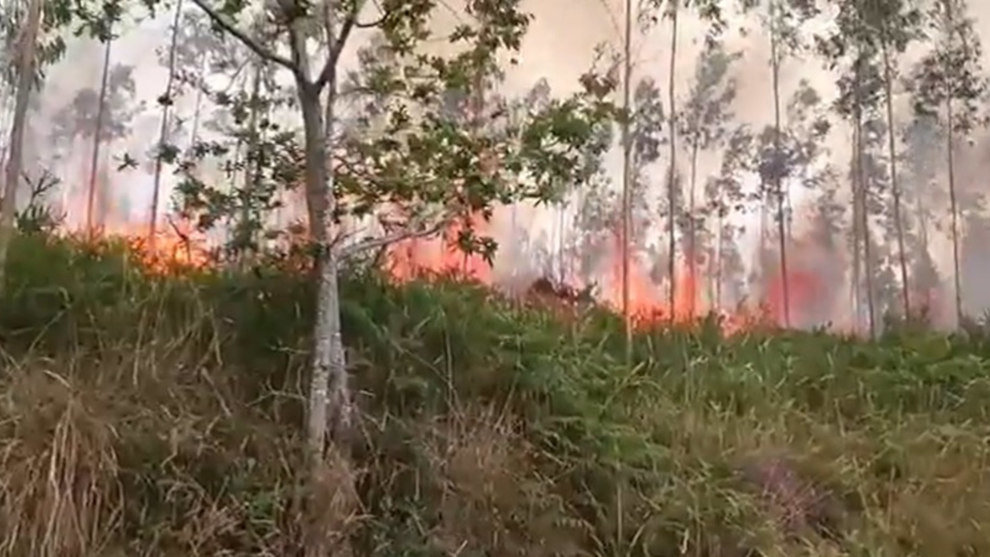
(693, 233)
(194, 128)
(894, 186)
(328, 363)
(854, 183)
(778, 185)
(330, 404)
(26, 64)
(6, 114)
(252, 164)
(954, 208)
(764, 233)
(923, 240)
(718, 258)
(863, 192)
(672, 174)
(163, 131)
(627, 177)
(561, 243)
(94, 161)
(331, 408)
(950, 162)
(514, 227)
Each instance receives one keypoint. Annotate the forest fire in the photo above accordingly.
(648, 302)
(177, 245)
(439, 254)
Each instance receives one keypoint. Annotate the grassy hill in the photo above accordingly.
(150, 415)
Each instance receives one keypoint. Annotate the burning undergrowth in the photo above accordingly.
(149, 414)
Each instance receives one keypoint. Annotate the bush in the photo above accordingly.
(158, 414)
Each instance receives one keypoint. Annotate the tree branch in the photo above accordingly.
(246, 39)
(388, 239)
(338, 43)
(371, 24)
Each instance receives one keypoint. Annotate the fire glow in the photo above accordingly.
(178, 245)
(422, 258)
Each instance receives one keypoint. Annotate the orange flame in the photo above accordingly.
(440, 254)
(177, 243)
(648, 302)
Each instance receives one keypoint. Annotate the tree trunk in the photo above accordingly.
(718, 258)
(864, 215)
(863, 192)
(949, 155)
(954, 208)
(98, 137)
(855, 290)
(778, 185)
(671, 175)
(626, 177)
(923, 240)
(761, 255)
(894, 186)
(163, 132)
(26, 64)
(331, 408)
(252, 166)
(194, 128)
(693, 233)
(330, 404)
(561, 242)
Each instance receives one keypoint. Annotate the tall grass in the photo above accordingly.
(143, 414)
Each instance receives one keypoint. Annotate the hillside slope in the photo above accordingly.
(149, 415)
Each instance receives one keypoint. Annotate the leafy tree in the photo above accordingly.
(881, 29)
(851, 49)
(703, 126)
(100, 116)
(259, 160)
(726, 199)
(413, 165)
(27, 62)
(648, 120)
(922, 153)
(949, 83)
(711, 12)
(787, 153)
(784, 20)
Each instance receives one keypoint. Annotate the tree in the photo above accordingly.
(409, 169)
(851, 44)
(923, 140)
(98, 132)
(784, 19)
(726, 198)
(711, 12)
(703, 127)
(672, 204)
(949, 82)
(163, 151)
(787, 155)
(627, 151)
(897, 27)
(881, 28)
(97, 115)
(27, 60)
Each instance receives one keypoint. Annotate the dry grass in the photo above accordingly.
(60, 485)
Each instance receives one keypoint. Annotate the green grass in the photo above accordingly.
(144, 415)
